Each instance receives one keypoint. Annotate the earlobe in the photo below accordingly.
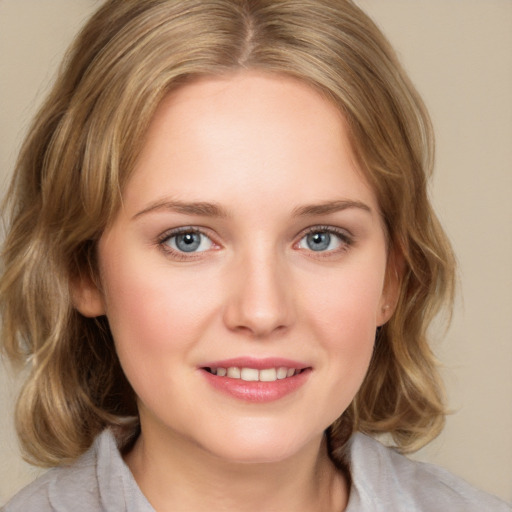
(386, 312)
(87, 297)
(391, 289)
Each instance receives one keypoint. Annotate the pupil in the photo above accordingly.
(319, 241)
(188, 242)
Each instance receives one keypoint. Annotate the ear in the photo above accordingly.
(391, 288)
(87, 297)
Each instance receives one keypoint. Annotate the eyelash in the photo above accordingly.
(346, 240)
(180, 255)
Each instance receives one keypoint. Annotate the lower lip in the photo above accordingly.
(256, 391)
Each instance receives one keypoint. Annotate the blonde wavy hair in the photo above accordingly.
(81, 150)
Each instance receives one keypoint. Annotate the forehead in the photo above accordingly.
(246, 133)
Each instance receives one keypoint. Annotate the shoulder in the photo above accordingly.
(382, 479)
(97, 481)
(58, 489)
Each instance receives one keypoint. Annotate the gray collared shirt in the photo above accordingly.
(382, 480)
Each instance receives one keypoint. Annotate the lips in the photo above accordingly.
(256, 380)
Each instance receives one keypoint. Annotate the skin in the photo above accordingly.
(261, 149)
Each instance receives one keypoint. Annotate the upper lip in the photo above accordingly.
(256, 363)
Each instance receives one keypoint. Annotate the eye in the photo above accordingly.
(189, 241)
(324, 240)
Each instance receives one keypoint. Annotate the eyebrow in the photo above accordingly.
(207, 209)
(328, 207)
(200, 208)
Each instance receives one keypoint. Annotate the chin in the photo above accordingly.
(261, 446)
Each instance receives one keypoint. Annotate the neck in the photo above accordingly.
(175, 475)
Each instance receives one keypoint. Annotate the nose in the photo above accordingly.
(260, 300)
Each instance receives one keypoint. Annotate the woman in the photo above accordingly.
(222, 263)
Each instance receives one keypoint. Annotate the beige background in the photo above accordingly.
(458, 53)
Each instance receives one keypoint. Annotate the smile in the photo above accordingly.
(256, 380)
(253, 374)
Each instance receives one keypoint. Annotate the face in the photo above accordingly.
(245, 275)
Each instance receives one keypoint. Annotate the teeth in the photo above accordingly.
(234, 373)
(249, 374)
(268, 375)
(282, 373)
(253, 375)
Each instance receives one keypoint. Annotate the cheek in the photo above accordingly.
(155, 315)
(347, 303)
(155, 325)
(343, 317)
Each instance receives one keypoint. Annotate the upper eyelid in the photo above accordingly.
(162, 242)
(347, 239)
(169, 233)
(329, 229)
